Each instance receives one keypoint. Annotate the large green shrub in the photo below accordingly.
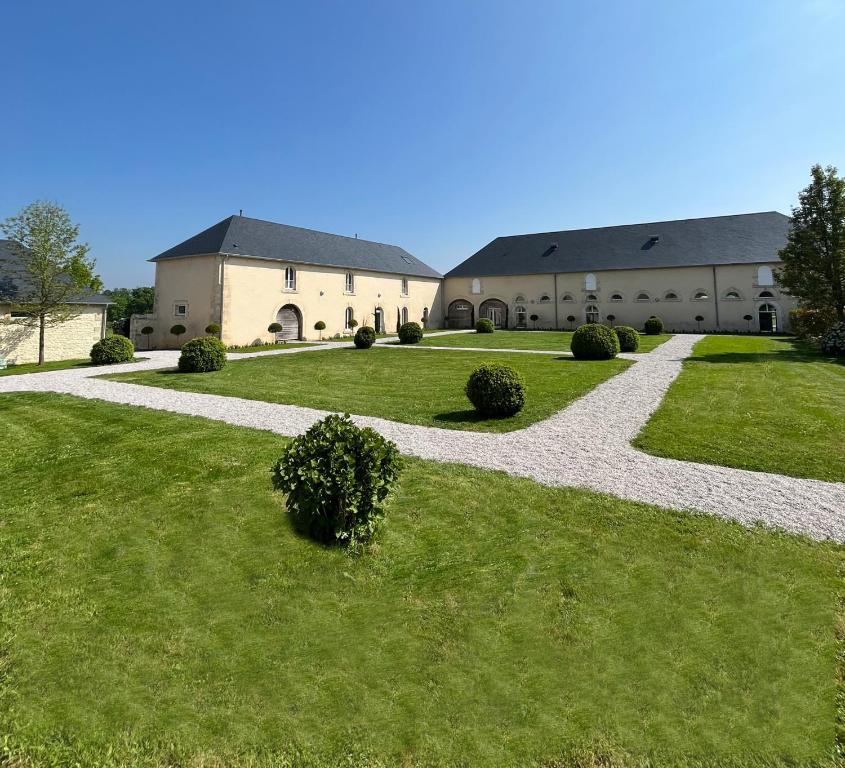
(213, 329)
(653, 326)
(484, 325)
(112, 349)
(629, 338)
(201, 355)
(410, 333)
(811, 323)
(496, 390)
(594, 342)
(337, 477)
(833, 342)
(365, 337)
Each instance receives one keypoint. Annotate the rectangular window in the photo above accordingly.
(350, 282)
(404, 286)
(290, 279)
(180, 310)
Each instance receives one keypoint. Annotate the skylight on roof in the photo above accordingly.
(407, 259)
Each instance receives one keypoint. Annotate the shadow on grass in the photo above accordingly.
(467, 416)
(793, 351)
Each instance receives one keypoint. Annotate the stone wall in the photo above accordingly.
(70, 340)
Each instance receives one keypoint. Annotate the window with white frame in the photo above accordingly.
(545, 297)
(732, 295)
(349, 316)
(642, 296)
(290, 279)
(592, 297)
(180, 309)
(591, 313)
(404, 315)
(671, 296)
(765, 276)
(700, 296)
(616, 297)
(404, 286)
(590, 282)
(350, 283)
(568, 297)
(475, 286)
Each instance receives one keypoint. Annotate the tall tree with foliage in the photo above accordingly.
(55, 269)
(130, 301)
(814, 257)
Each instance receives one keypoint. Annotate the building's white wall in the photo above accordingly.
(677, 315)
(70, 340)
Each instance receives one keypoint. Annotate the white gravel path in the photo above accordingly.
(585, 445)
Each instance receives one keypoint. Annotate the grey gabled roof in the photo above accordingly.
(280, 242)
(14, 278)
(741, 239)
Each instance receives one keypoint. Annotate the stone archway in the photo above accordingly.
(461, 314)
(496, 311)
(290, 318)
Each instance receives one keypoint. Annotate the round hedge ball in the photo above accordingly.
(653, 326)
(629, 338)
(410, 333)
(485, 325)
(365, 337)
(496, 390)
(202, 355)
(112, 349)
(594, 342)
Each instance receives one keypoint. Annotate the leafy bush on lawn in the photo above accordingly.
(410, 333)
(496, 390)
(112, 349)
(337, 477)
(365, 337)
(811, 323)
(594, 342)
(202, 355)
(833, 342)
(629, 338)
(653, 326)
(485, 325)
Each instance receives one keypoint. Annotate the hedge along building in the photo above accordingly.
(245, 274)
(67, 340)
(720, 269)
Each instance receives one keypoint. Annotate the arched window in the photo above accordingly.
(643, 296)
(348, 318)
(350, 282)
(590, 282)
(520, 299)
(700, 296)
(765, 276)
(592, 297)
(591, 313)
(520, 316)
(732, 295)
(545, 297)
(404, 286)
(404, 315)
(290, 279)
(765, 295)
(568, 297)
(616, 297)
(476, 285)
(671, 296)
(378, 316)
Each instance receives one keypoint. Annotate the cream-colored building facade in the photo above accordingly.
(260, 273)
(712, 274)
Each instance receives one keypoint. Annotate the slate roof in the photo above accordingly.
(741, 239)
(280, 242)
(13, 277)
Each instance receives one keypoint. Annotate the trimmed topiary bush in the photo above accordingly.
(212, 329)
(112, 349)
(496, 390)
(485, 325)
(177, 330)
(653, 326)
(274, 328)
(337, 477)
(365, 337)
(202, 355)
(629, 338)
(320, 326)
(410, 333)
(594, 342)
(833, 342)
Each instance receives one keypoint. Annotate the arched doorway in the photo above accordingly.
(767, 315)
(379, 320)
(496, 311)
(290, 318)
(461, 314)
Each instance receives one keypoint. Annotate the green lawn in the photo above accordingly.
(759, 403)
(548, 340)
(157, 608)
(417, 386)
(57, 365)
(269, 347)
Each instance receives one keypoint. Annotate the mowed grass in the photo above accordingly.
(157, 608)
(761, 403)
(55, 365)
(417, 386)
(269, 347)
(541, 340)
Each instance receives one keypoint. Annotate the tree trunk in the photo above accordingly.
(41, 326)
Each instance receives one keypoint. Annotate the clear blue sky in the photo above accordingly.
(433, 125)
